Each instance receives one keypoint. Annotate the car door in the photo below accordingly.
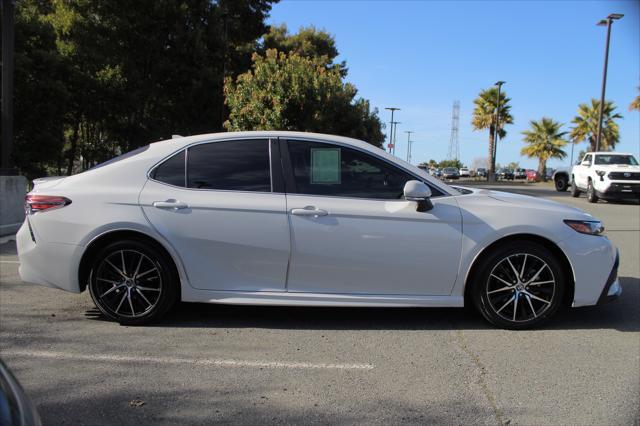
(353, 233)
(582, 171)
(218, 205)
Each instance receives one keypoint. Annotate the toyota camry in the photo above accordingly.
(286, 218)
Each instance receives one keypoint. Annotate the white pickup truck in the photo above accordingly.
(606, 175)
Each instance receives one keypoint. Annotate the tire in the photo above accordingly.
(562, 183)
(133, 282)
(575, 192)
(530, 305)
(591, 193)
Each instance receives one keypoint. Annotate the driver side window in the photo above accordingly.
(333, 170)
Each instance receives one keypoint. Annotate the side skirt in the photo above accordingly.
(318, 299)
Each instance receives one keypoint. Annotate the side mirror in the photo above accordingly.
(586, 163)
(415, 190)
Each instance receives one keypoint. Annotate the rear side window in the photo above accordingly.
(324, 169)
(241, 165)
(171, 171)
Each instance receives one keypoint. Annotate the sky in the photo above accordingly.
(421, 56)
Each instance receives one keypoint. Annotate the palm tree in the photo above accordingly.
(635, 104)
(484, 116)
(586, 125)
(545, 141)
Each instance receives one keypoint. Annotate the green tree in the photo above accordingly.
(585, 125)
(450, 163)
(291, 92)
(41, 92)
(307, 42)
(544, 141)
(484, 115)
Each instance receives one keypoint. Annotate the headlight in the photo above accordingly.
(591, 227)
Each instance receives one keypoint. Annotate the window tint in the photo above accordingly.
(616, 159)
(324, 169)
(232, 165)
(171, 171)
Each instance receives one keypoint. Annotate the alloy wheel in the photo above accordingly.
(128, 283)
(521, 287)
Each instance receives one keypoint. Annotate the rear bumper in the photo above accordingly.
(47, 264)
(612, 288)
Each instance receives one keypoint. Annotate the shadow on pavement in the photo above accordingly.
(621, 315)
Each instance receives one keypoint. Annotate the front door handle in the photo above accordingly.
(170, 204)
(309, 211)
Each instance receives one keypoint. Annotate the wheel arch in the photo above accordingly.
(545, 242)
(115, 235)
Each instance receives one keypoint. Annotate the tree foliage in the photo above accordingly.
(451, 163)
(287, 91)
(484, 115)
(585, 125)
(544, 141)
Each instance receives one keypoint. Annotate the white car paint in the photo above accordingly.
(248, 248)
(587, 170)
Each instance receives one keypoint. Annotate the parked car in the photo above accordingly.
(450, 173)
(464, 172)
(532, 175)
(505, 174)
(292, 218)
(561, 178)
(481, 172)
(520, 174)
(438, 173)
(606, 175)
(16, 408)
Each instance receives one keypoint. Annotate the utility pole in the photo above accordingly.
(390, 144)
(408, 132)
(454, 146)
(394, 128)
(492, 171)
(6, 164)
(603, 22)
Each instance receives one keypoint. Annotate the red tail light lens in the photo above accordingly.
(40, 203)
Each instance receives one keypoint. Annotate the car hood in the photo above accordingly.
(495, 198)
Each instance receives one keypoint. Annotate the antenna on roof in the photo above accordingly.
(176, 136)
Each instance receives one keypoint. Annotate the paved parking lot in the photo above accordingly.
(249, 365)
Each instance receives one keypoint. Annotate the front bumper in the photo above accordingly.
(619, 190)
(612, 288)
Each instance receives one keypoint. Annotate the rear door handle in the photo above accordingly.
(309, 211)
(170, 204)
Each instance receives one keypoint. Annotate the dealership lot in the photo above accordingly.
(249, 365)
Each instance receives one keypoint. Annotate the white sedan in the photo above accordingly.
(284, 218)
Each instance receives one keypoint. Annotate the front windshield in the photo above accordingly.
(628, 160)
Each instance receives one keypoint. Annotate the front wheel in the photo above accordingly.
(520, 285)
(132, 282)
(591, 193)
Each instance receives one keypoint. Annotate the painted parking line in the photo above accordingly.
(9, 261)
(206, 362)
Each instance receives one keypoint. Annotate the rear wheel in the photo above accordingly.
(562, 183)
(520, 285)
(132, 282)
(591, 193)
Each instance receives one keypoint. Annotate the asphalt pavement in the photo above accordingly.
(208, 364)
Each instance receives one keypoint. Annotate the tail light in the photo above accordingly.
(40, 203)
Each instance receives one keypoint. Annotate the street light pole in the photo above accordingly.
(6, 164)
(390, 145)
(394, 132)
(491, 174)
(603, 22)
(408, 132)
